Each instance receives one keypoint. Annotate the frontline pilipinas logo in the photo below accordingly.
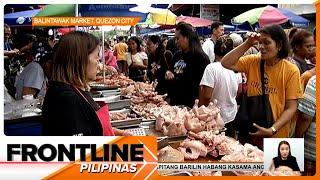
(127, 157)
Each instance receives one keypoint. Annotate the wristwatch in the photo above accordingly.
(274, 131)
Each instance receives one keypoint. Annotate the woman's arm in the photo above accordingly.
(11, 53)
(295, 166)
(230, 60)
(115, 50)
(26, 47)
(29, 90)
(289, 110)
(271, 168)
(137, 66)
(205, 95)
(168, 56)
(303, 122)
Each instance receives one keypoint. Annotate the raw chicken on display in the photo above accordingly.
(197, 120)
(168, 154)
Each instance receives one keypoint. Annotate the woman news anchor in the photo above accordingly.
(284, 159)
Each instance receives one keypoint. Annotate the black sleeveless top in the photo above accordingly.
(290, 162)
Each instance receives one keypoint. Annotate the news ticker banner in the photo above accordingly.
(210, 167)
(85, 21)
(132, 157)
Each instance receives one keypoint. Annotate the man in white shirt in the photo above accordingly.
(221, 84)
(217, 30)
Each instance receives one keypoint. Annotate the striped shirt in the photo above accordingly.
(307, 105)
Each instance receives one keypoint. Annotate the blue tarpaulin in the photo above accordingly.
(294, 19)
(22, 18)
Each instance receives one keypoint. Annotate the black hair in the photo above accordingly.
(223, 45)
(46, 57)
(279, 36)
(106, 44)
(299, 38)
(284, 142)
(292, 32)
(121, 38)
(215, 25)
(157, 40)
(138, 42)
(186, 30)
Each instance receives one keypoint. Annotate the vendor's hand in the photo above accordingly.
(169, 75)
(262, 132)
(253, 37)
(14, 52)
(111, 70)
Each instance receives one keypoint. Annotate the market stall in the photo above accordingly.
(189, 135)
(185, 135)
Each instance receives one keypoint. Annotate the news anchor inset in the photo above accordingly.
(284, 161)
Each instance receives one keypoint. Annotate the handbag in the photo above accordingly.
(254, 109)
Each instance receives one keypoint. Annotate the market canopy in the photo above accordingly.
(22, 18)
(156, 17)
(294, 19)
(52, 10)
(163, 16)
(194, 21)
(270, 15)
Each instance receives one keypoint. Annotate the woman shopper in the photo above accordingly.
(159, 62)
(284, 159)
(303, 46)
(188, 66)
(110, 59)
(281, 78)
(137, 60)
(68, 109)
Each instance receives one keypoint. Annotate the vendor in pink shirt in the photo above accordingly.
(110, 59)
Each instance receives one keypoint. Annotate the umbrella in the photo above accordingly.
(22, 18)
(52, 10)
(295, 20)
(162, 16)
(194, 21)
(270, 15)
